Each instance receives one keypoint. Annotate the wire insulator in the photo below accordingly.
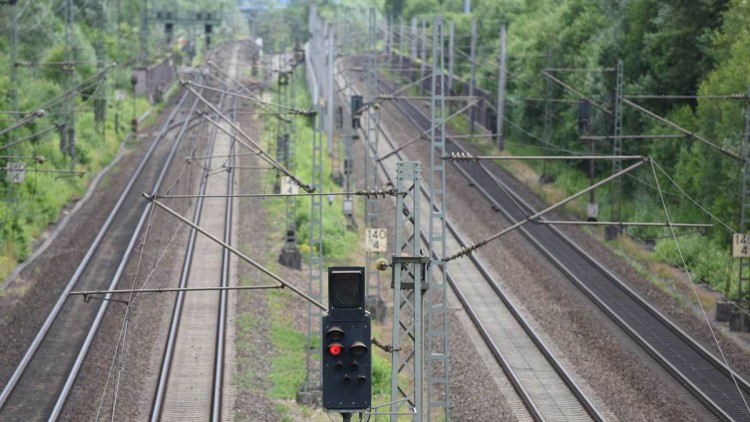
(460, 156)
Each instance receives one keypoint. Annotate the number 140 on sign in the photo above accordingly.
(376, 240)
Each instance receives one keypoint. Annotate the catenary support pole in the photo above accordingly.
(501, 71)
(472, 75)
(437, 293)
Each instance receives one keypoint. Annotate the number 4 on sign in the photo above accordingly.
(376, 240)
(289, 186)
(740, 243)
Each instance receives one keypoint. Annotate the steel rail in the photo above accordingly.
(62, 397)
(491, 344)
(607, 307)
(166, 365)
(487, 337)
(216, 400)
(42, 333)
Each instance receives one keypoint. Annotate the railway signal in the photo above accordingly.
(347, 359)
(357, 102)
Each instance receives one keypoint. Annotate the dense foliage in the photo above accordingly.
(668, 47)
(27, 208)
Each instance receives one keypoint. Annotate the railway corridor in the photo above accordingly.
(509, 341)
(189, 390)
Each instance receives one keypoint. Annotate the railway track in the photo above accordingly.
(723, 392)
(191, 380)
(39, 386)
(544, 388)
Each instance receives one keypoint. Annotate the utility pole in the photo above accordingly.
(290, 255)
(283, 84)
(472, 77)
(413, 48)
(330, 99)
(423, 43)
(100, 105)
(144, 33)
(349, 129)
(119, 63)
(400, 46)
(501, 91)
(386, 25)
(437, 293)
(372, 213)
(12, 96)
(614, 231)
(451, 47)
(592, 209)
(310, 393)
(743, 288)
(546, 177)
(70, 123)
(389, 45)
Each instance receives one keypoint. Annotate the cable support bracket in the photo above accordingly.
(386, 347)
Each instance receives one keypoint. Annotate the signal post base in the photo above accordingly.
(376, 307)
(311, 398)
(739, 322)
(291, 258)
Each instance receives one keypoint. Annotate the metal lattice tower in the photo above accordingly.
(617, 146)
(372, 214)
(315, 279)
(437, 304)
(408, 273)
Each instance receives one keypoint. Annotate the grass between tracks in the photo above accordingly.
(340, 247)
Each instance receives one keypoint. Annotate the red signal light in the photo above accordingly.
(335, 349)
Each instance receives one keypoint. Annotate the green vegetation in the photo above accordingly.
(26, 209)
(287, 366)
(669, 47)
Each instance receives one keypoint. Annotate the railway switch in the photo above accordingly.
(346, 360)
